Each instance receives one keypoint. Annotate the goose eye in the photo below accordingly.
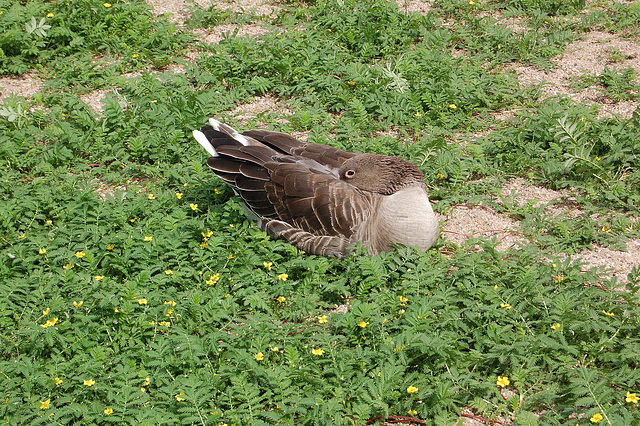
(349, 173)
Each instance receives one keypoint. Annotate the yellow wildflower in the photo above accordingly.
(609, 314)
(168, 272)
(213, 279)
(49, 222)
(50, 15)
(141, 301)
(110, 246)
(283, 277)
(170, 302)
(596, 418)
(135, 55)
(45, 312)
(503, 381)
(49, 323)
(505, 305)
(267, 265)
(169, 312)
(217, 191)
(259, 356)
(68, 266)
(317, 352)
(471, 2)
(57, 380)
(440, 176)
(403, 300)
(606, 229)
(42, 251)
(89, 382)
(632, 398)
(99, 277)
(322, 319)
(152, 197)
(143, 390)
(203, 244)
(417, 114)
(363, 324)
(148, 239)
(412, 389)
(164, 324)
(79, 254)
(194, 207)
(207, 234)
(453, 106)
(179, 195)
(147, 382)
(179, 397)
(44, 405)
(412, 412)
(495, 287)
(108, 411)
(274, 349)
(78, 304)
(281, 299)
(555, 326)
(106, 4)
(351, 82)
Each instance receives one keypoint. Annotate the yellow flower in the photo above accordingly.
(412, 412)
(472, 2)
(179, 397)
(274, 349)
(596, 418)
(50, 15)
(168, 272)
(148, 239)
(363, 324)
(99, 277)
(108, 411)
(135, 55)
(143, 390)
(403, 300)
(322, 319)
(283, 277)
(179, 195)
(632, 398)
(45, 312)
(207, 234)
(267, 265)
(495, 287)
(57, 380)
(194, 207)
(503, 381)
(68, 266)
(151, 197)
(351, 82)
(89, 382)
(440, 176)
(559, 279)
(106, 4)
(317, 352)
(44, 405)
(281, 299)
(203, 244)
(110, 246)
(169, 312)
(164, 324)
(259, 356)
(417, 114)
(609, 314)
(170, 302)
(147, 382)
(22, 236)
(49, 222)
(49, 323)
(555, 326)
(213, 279)
(412, 389)
(141, 301)
(42, 251)
(78, 304)
(453, 106)
(217, 191)
(79, 254)
(554, 265)
(505, 305)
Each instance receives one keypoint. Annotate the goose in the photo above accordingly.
(321, 199)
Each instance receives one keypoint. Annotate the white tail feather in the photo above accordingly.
(221, 127)
(202, 140)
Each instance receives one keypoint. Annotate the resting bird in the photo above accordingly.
(321, 199)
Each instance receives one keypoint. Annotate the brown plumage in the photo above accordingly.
(321, 199)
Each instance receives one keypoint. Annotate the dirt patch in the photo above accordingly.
(217, 33)
(418, 6)
(25, 86)
(589, 56)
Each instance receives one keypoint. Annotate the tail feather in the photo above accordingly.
(202, 140)
(230, 131)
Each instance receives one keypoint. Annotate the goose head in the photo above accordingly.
(380, 173)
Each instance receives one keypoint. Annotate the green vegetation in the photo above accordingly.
(135, 291)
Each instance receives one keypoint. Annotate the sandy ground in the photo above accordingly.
(590, 55)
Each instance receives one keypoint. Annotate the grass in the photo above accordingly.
(135, 291)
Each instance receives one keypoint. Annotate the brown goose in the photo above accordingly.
(321, 199)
